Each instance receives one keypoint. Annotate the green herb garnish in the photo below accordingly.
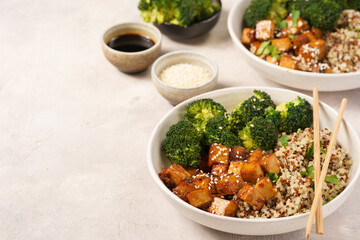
(295, 14)
(262, 47)
(310, 173)
(273, 176)
(310, 152)
(291, 36)
(279, 23)
(332, 179)
(283, 140)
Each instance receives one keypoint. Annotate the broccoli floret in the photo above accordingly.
(352, 4)
(324, 14)
(294, 115)
(182, 144)
(273, 116)
(259, 133)
(248, 109)
(200, 111)
(217, 131)
(264, 9)
(178, 12)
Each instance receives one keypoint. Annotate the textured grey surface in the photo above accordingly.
(74, 130)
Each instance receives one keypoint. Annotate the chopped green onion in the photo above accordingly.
(273, 176)
(291, 36)
(298, 131)
(262, 47)
(277, 181)
(279, 23)
(356, 29)
(295, 14)
(283, 140)
(310, 152)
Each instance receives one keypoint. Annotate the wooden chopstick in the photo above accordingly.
(319, 215)
(319, 186)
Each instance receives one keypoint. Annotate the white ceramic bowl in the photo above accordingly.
(229, 98)
(285, 76)
(174, 94)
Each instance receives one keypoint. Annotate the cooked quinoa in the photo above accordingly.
(343, 45)
(295, 193)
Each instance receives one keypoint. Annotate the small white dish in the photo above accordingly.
(229, 98)
(292, 78)
(175, 94)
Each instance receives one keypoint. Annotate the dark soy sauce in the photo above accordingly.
(131, 43)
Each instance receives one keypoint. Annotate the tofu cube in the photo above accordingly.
(313, 51)
(254, 46)
(229, 184)
(272, 59)
(309, 35)
(183, 188)
(317, 32)
(223, 207)
(251, 172)
(177, 173)
(255, 156)
(237, 153)
(191, 171)
(265, 30)
(219, 168)
(282, 44)
(301, 25)
(248, 36)
(248, 194)
(218, 154)
(166, 180)
(200, 198)
(288, 62)
(270, 164)
(235, 167)
(284, 32)
(299, 40)
(204, 164)
(204, 182)
(266, 188)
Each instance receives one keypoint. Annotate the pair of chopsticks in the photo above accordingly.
(316, 207)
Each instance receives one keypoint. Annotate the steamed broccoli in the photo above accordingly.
(259, 133)
(321, 14)
(294, 115)
(200, 111)
(248, 109)
(217, 131)
(264, 9)
(178, 12)
(352, 4)
(273, 116)
(182, 144)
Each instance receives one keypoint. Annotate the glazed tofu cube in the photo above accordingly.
(223, 207)
(205, 182)
(200, 198)
(218, 154)
(265, 188)
(251, 172)
(248, 36)
(255, 156)
(191, 171)
(166, 180)
(313, 51)
(270, 163)
(284, 33)
(219, 168)
(177, 173)
(235, 167)
(317, 32)
(309, 35)
(282, 44)
(301, 25)
(288, 62)
(248, 194)
(299, 40)
(229, 184)
(272, 59)
(265, 30)
(204, 164)
(237, 153)
(254, 46)
(183, 188)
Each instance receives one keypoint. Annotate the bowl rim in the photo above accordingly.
(132, 25)
(168, 24)
(164, 57)
(236, 40)
(189, 207)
